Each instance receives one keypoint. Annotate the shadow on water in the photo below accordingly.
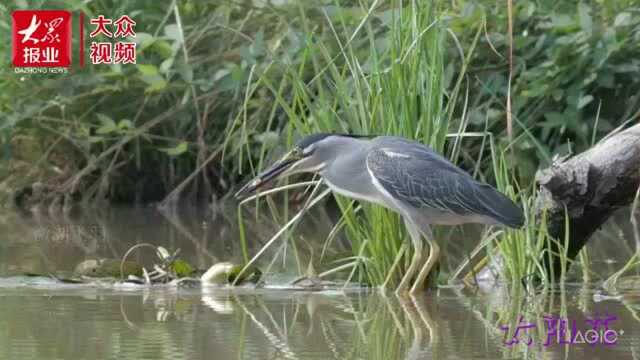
(40, 318)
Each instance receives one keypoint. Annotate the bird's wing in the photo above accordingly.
(415, 174)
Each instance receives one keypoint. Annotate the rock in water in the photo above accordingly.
(226, 273)
(218, 273)
(107, 268)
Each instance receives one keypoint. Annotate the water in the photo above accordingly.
(43, 319)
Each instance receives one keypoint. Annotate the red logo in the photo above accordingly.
(41, 38)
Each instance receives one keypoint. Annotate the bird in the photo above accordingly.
(402, 175)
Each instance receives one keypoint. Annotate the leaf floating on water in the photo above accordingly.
(251, 275)
(163, 253)
(182, 268)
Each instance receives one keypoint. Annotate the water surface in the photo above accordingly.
(41, 318)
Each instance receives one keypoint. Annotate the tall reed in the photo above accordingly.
(395, 87)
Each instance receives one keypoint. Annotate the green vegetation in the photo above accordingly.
(219, 84)
(394, 88)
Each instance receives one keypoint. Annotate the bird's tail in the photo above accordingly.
(499, 207)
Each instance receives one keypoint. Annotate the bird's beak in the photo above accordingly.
(263, 178)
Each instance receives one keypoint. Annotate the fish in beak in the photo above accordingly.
(266, 176)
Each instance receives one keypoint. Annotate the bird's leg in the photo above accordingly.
(415, 260)
(434, 254)
(427, 320)
(415, 350)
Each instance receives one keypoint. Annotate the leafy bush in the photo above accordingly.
(575, 72)
(212, 94)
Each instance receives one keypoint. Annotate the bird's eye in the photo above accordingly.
(297, 152)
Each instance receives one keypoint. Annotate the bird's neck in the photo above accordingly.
(347, 173)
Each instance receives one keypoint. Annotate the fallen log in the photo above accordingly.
(588, 188)
(581, 191)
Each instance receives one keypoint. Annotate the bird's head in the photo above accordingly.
(310, 154)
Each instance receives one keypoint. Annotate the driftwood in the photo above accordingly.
(590, 186)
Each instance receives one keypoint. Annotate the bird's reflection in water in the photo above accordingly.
(421, 322)
(263, 323)
(338, 324)
(381, 326)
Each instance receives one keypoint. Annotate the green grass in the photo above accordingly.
(388, 72)
(398, 88)
(397, 91)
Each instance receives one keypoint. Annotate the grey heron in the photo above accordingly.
(402, 175)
